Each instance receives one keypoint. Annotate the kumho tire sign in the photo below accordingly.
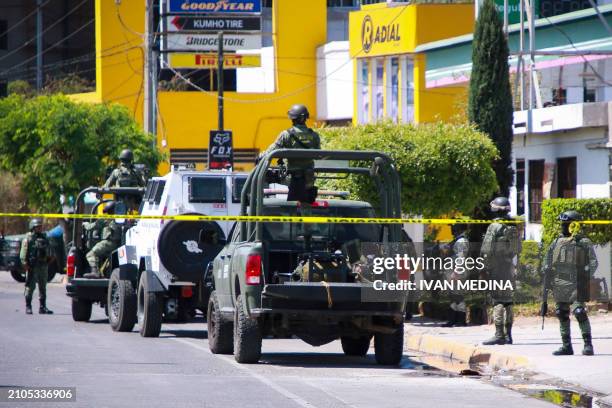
(214, 6)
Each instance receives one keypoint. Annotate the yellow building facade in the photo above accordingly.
(185, 118)
(390, 76)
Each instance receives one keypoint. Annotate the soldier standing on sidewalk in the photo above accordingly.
(35, 257)
(569, 264)
(500, 250)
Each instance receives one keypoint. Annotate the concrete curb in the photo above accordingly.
(464, 353)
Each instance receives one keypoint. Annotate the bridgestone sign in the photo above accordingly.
(209, 42)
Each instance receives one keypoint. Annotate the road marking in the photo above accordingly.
(281, 390)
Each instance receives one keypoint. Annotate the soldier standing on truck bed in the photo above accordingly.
(35, 257)
(569, 265)
(126, 175)
(111, 240)
(301, 171)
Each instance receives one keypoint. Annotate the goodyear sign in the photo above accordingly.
(214, 6)
(380, 32)
(209, 60)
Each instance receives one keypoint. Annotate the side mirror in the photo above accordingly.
(210, 237)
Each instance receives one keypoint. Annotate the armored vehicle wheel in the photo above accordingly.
(81, 310)
(220, 332)
(389, 348)
(356, 346)
(247, 336)
(121, 304)
(18, 276)
(149, 309)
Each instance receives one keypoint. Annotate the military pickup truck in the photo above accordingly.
(284, 279)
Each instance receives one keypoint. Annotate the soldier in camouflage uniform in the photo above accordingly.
(126, 175)
(500, 249)
(35, 257)
(460, 248)
(301, 171)
(569, 265)
(111, 240)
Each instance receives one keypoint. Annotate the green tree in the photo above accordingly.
(444, 168)
(490, 99)
(56, 144)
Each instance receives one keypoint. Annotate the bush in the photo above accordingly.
(590, 209)
(444, 168)
(57, 145)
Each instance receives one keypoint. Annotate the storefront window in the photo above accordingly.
(408, 91)
(378, 102)
(393, 87)
(364, 90)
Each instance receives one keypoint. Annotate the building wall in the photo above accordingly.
(335, 93)
(387, 36)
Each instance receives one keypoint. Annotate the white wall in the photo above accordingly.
(335, 89)
(257, 80)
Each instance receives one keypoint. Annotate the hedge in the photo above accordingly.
(590, 209)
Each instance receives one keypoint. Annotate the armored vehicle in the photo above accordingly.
(160, 272)
(286, 279)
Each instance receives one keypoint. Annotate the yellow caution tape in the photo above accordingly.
(278, 219)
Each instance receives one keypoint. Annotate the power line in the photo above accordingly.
(9, 29)
(43, 32)
(49, 48)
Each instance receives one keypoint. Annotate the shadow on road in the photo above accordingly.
(331, 360)
(193, 334)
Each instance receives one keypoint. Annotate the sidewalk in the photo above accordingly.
(531, 350)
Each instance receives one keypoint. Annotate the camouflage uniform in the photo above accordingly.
(460, 251)
(35, 256)
(111, 240)
(500, 250)
(569, 264)
(126, 176)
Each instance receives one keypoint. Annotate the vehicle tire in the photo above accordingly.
(149, 310)
(389, 348)
(121, 304)
(183, 260)
(220, 332)
(356, 346)
(19, 276)
(81, 310)
(247, 335)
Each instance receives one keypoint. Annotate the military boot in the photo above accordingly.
(588, 345)
(94, 274)
(28, 306)
(508, 334)
(43, 308)
(499, 337)
(566, 348)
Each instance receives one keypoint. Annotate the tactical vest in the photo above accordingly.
(126, 177)
(38, 249)
(568, 258)
(503, 241)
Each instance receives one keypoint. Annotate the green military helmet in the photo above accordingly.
(570, 216)
(298, 112)
(126, 155)
(500, 204)
(109, 208)
(35, 222)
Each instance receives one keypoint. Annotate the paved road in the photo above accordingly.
(124, 370)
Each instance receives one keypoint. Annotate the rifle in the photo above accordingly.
(545, 286)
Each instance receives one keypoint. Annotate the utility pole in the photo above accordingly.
(220, 79)
(506, 19)
(150, 72)
(39, 45)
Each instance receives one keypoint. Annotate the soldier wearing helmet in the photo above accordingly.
(569, 265)
(299, 136)
(35, 257)
(111, 240)
(500, 250)
(125, 175)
